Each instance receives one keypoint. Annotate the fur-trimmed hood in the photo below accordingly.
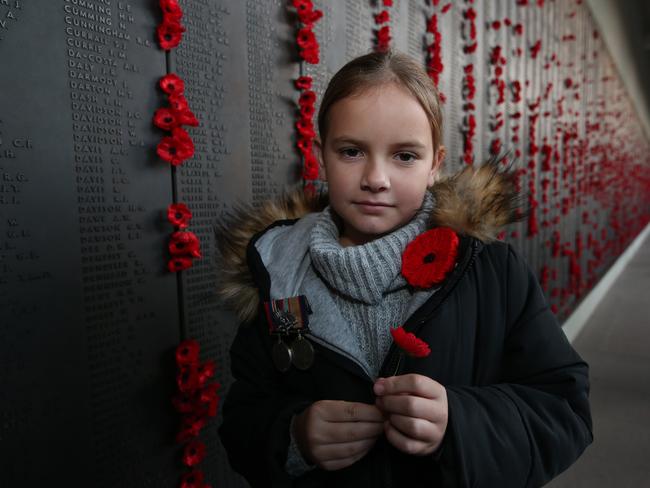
(475, 202)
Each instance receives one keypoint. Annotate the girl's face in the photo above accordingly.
(378, 161)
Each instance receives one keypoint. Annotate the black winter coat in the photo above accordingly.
(517, 391)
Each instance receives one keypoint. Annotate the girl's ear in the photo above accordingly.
(438, 158)
(318, 152)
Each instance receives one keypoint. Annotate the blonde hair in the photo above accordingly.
(378, 68)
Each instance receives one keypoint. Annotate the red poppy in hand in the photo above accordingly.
(410, 344)
(430, 257)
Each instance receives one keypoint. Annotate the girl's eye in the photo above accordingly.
(350, 152)
(406, 157)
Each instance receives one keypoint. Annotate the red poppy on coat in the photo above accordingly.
(179, 215)
(165, 119)
(387, 3)
(205, 371)
(179, 263)
(187, 352)
(184, 243)
(409, 343)
(193, 453)
(304, 83)
(172, 84)
(170, 34)
(193, 479)
(428, 259)
(171, 10)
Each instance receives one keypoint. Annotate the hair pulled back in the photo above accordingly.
(378, 68)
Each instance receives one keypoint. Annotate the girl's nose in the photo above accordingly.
(375, 177)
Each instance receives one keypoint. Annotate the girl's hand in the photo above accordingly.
(335, 434)
(416, 411)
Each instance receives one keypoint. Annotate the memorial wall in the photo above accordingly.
(90, 314)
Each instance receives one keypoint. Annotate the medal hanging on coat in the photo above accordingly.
(288, 320)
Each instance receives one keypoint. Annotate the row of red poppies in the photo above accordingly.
(197, 398)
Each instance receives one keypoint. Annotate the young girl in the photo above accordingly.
(328, 389)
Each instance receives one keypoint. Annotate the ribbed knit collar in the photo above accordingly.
(368, 271)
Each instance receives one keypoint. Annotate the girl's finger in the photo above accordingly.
(337, 432)
(343, 450)
(403, 443)
(412, 406)
(415, 384)
(415, 429)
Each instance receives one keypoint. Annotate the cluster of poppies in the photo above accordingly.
(470, 16)
(170, 30)
(184, 246)
(305, 127)
(306, 39)
(197, 400)
(309, 51)
(434, 49)
(469, 93)
(426, 261)
(178, 146)
(383, 32)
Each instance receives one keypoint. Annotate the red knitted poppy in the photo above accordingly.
(427, 259)
(410, 344)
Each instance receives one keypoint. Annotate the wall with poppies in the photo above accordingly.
(128, 129)
(529, 79)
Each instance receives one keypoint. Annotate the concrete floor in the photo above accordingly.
(616, 344)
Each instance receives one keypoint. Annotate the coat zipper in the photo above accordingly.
(395, 363)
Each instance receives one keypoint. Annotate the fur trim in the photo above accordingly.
(237, 288)
(475, 201)
(478, 201)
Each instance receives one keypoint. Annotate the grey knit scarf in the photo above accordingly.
(365, 281)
